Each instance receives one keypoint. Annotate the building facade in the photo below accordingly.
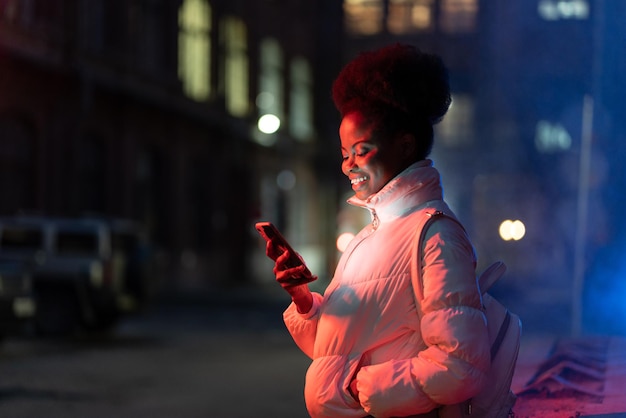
(149, 110)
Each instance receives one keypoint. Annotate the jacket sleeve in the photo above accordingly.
(454, 365)
(303, 327)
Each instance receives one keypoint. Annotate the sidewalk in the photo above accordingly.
(556, 376)
(571, 377)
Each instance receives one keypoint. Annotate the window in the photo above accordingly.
(301, 99)
(22, 238)
(74, 243)
(115, 28)
(363, 17)
(147, 35)
(234, 80)
(563, 9)
(369, 17)
(458, 16)
(194, 49)
(271, 79)
(406, 16)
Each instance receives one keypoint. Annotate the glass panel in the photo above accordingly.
(301, 100)
(406, 16)
(17, 238)
(236, 79)
(76, 243)
(271, 79)
(363, 17)
(458, 16)
(194, 49)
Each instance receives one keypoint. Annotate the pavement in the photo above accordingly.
(557, 375)
(567, 377)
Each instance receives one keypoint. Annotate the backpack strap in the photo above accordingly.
(416, 259)
(495, 347)
(485, 281)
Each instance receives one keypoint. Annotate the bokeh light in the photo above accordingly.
(268, 124)
(343, 240)
(512, 230)
(286, 180)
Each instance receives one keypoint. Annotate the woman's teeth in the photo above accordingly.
(358, 180)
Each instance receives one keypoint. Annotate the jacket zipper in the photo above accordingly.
(375, 220)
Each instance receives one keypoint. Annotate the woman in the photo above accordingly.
(372, 355)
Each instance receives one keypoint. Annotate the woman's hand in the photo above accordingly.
(293, 279)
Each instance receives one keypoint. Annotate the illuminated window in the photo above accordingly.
(563, 9)
(369, 17)
(406, 16)
(458, 16)
(235, 66)
(457, 127)
(194, 48)
(301, 100)
(551, 137)
(363, 17)
(271, 79)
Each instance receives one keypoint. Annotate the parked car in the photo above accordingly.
(82, 278)
(17, 302)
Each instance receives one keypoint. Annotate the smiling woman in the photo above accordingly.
(370, 354)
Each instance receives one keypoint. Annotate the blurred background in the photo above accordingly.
(193, 119)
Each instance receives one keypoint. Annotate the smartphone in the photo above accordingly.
(269, 232)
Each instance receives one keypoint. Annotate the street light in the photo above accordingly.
(268, 123)
(512, 230)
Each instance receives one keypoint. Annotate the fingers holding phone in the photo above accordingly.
(289, 273)
(289, 268)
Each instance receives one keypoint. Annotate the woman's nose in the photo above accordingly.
(348, 164)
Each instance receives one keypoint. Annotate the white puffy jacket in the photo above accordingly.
(366, 326)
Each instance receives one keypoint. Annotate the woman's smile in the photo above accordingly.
(358, 182)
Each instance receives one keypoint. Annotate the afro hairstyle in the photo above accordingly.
(400, 76)
(398, 89)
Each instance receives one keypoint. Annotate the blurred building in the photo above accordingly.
(533, 134)
(148, 109)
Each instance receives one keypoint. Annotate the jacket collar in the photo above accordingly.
(417, 184)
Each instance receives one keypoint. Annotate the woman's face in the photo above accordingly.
(368, 162)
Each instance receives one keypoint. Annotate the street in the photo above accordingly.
(178, 360)
(219, 356)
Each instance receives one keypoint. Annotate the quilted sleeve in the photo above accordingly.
(303, 327)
